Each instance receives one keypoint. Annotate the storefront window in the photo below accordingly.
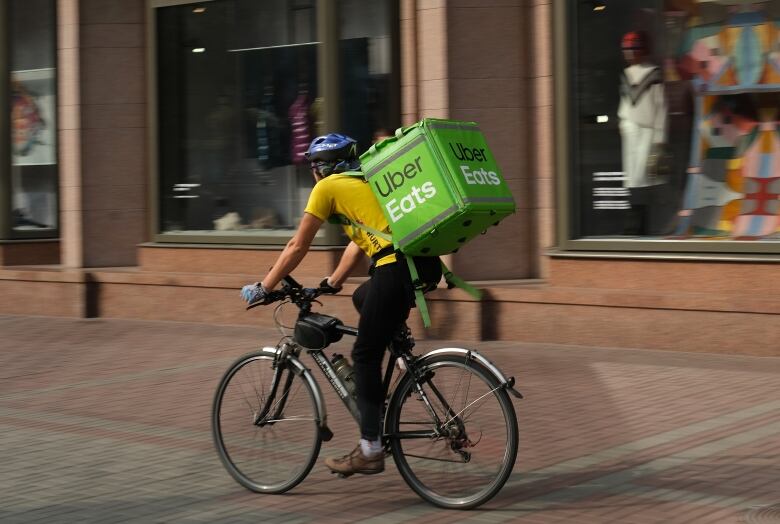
(675, 108)
(239, 101)
(33, 116)
(237, 90)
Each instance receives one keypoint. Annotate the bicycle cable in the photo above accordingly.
(279, 324)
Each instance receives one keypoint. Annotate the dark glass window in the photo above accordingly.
(237, 84)
(370, 106)
(676, 120)
(33, 116)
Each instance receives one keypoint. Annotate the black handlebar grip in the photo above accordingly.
(327, 289)
(291, 282)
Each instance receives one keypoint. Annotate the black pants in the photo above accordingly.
(383, 302)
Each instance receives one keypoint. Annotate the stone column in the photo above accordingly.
(424, 65)
(69, 134)
(102, 134)
(409, 91)
(541, 152)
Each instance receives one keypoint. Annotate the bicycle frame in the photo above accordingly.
(288, 352)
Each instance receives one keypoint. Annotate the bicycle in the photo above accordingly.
(449, 422)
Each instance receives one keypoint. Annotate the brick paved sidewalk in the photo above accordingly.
(108, 421)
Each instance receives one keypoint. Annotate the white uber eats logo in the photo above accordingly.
(398, 207)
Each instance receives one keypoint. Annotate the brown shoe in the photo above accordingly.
(356, 462)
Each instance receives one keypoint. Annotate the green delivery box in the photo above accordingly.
(438, 185)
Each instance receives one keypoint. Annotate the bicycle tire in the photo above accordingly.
(281, 453)
(442, 477)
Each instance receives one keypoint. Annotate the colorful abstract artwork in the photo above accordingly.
(733, 185)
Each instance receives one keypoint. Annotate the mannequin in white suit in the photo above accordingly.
(642, 111)
(642, 121)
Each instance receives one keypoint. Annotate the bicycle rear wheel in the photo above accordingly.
(471, 458)
(267, 440)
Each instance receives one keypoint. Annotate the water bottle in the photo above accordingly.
(344, 371)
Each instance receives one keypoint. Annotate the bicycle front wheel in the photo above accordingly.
(465, 458)
(267, 438)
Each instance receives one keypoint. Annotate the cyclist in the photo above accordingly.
(383, 301)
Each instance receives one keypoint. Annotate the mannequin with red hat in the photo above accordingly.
(642, 117)
(642, 110)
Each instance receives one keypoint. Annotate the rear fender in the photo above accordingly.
(474, 355)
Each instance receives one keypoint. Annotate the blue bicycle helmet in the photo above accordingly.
(333, 153)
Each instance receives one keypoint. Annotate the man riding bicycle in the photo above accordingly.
(383, 301)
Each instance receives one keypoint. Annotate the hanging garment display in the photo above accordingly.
(261, 137)
(267, 132)
(316, 112)
(299, 124)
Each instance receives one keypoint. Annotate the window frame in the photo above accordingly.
(564, 35)
(5, 125)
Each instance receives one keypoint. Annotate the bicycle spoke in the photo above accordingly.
(290, 418)
(457, 388)
(471, 403)
(284, 397)
(257, 395)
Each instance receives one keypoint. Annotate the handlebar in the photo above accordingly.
(303, 297)
(298, 295)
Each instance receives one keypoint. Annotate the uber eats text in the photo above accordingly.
(398, 207)
(415, 196)
(474, 176)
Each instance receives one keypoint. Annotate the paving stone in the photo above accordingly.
(109, 421)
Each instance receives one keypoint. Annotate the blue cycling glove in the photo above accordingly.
(254, 294)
